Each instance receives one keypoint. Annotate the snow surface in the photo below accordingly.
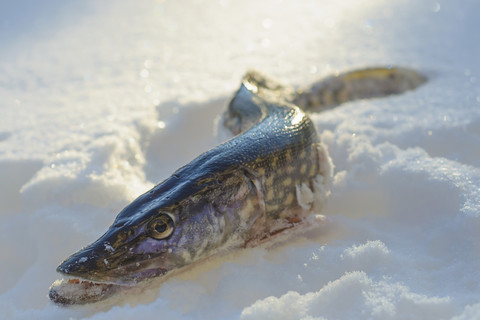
(100, 100)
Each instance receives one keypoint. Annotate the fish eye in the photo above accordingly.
(161, 227)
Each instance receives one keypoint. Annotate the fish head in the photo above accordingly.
(128, 252)
(204, 207)
(149, 238)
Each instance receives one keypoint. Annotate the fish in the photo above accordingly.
(273, 176)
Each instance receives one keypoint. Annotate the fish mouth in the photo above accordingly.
(98, 271)
(72, 291)
(89, 280)
(75, 290)
(123, 275)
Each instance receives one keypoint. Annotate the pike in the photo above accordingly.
(272, 177)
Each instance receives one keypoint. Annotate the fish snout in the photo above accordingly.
(84, 263)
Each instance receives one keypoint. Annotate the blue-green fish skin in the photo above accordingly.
(239, 192)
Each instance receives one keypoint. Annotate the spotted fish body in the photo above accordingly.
(267, 179)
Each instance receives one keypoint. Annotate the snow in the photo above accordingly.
(101, 100)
